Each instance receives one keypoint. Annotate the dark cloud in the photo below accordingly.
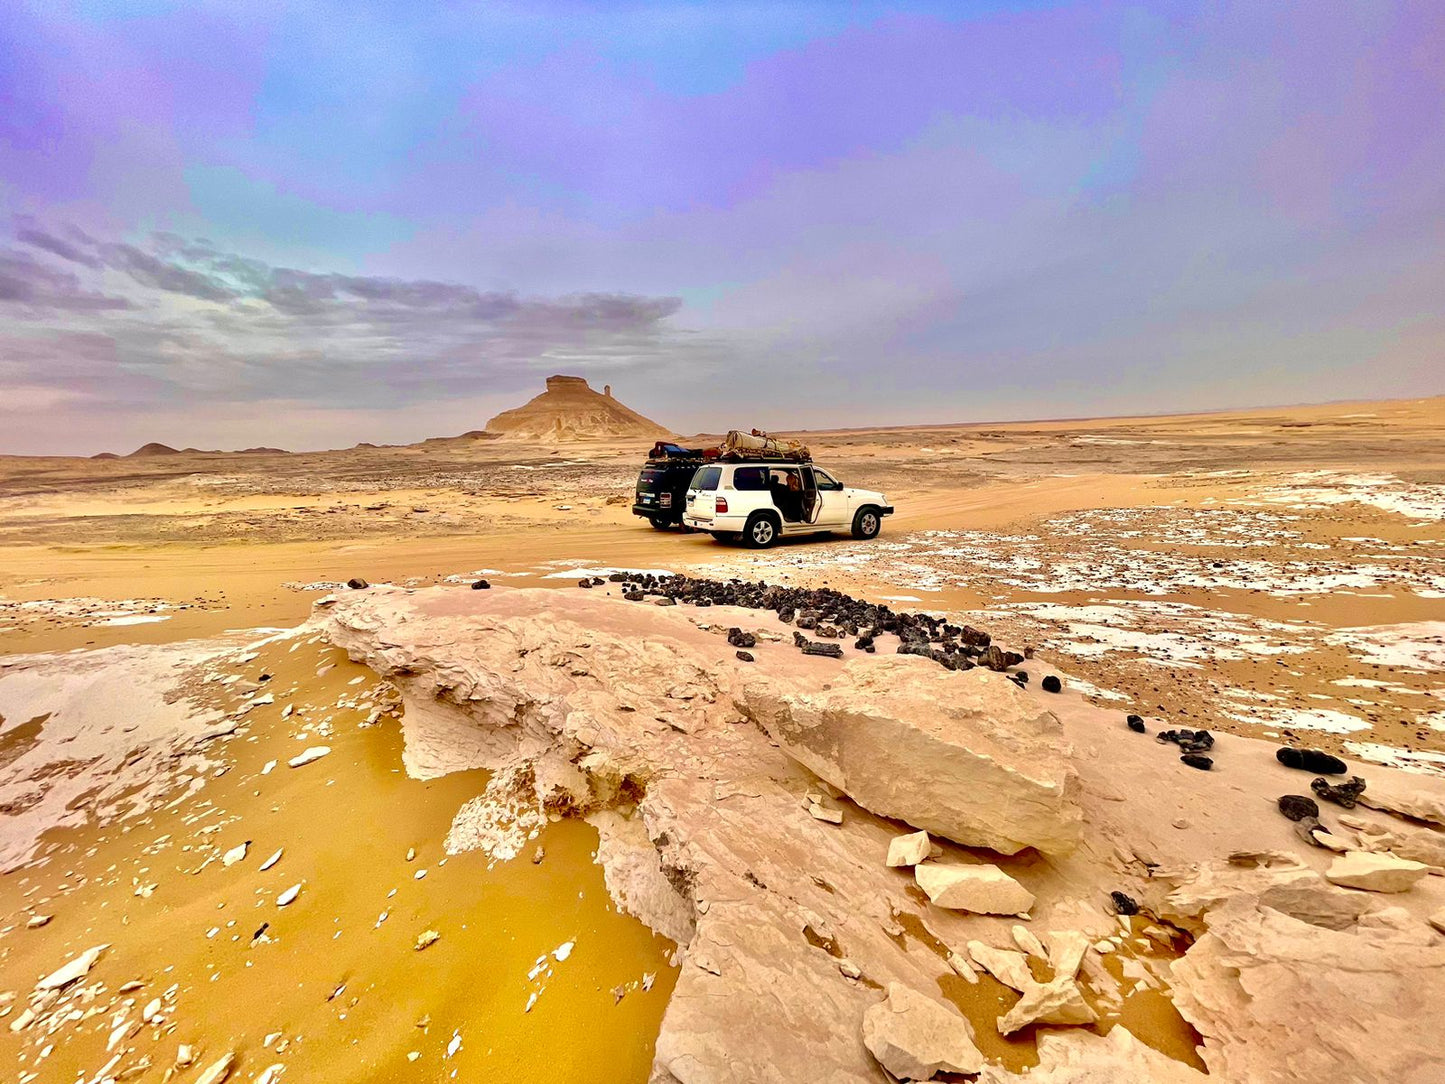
(199, 324)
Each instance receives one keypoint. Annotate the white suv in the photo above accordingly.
(762, 500)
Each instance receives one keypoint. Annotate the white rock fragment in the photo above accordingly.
(829, 814)
(1025, 940)
(915, 1037)
(185, 1054)
(272, 860)
(268, 767)
(151, 1011)
(1009, 967)
(36, 921)
(428, 937)
(562, 951)
(985, 890)
(271, 1074)
(1375, 872)
(77, 968)
(218, 1070)
(1057, 1002)
(235, 854)
(1438, 920)
(306, 756)
(120, 1033)
(24, 1020)
(289, 895)
(962, 967)
(908, 850)
(1066, 952)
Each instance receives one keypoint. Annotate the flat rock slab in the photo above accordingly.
(908, 850)
(984, 890)
(1375, 872)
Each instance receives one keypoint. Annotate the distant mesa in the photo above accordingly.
(153, 449)
(569, 410)
(105, 455)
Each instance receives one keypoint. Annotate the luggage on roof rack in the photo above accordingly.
(758, 445)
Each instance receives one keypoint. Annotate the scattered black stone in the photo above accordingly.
(1189, 741)
(483, 585)
(580, 583)
(1297, 807)
(356, 583)
(745, 656)
(1345, 794)
(832, 651)
(1310, 760)
(1020, 679)
(1198, 760)
(665, 601)
(264, 677)
(1051, 684)
(738, 638)
(834, 614)
(1135, 723)
(865, 643)
(1124, 904)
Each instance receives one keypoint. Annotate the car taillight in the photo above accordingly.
(722, 504)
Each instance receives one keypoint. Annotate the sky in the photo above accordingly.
(307, 225)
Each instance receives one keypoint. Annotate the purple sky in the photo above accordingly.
(309, 225)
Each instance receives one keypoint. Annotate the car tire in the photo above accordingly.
(762, 531)
(659, 523)
(867, 523)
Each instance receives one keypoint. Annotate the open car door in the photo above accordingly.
(812, 506)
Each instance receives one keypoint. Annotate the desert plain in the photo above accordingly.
(540, 893)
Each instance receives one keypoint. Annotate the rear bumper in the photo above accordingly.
(647, 511)
(734, 524)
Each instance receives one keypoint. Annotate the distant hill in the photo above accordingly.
(570, 410)
(105, 455)
(152, 449)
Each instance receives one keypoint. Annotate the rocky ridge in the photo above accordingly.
(791, 926)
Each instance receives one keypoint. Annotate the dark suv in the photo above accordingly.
(661, 495)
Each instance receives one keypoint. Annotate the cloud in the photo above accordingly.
(178, 320)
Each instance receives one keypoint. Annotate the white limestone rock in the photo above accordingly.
(905, 738)
(1057, 1002)
(1081, 1057)
(1182, 895)
(915, 1037)
(306, 756)
(1393, 795)
(1375, 872)
(984, 890)
(77, 968)
(1007, 965)
(1279, 1000)
(908, 850)
(1066, 952)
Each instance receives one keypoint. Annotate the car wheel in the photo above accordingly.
(661, 523)
(761, 531)
(867, 523)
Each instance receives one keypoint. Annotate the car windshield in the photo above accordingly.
(706, 478)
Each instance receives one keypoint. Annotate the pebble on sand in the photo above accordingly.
(289, 895)
(316, 752)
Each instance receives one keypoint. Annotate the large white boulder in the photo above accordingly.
(915, 1037)
(1375, 872)
(985, 890)
(962, 754)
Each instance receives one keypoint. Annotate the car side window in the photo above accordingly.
(706, 478)
(750, 478)
(826, 480)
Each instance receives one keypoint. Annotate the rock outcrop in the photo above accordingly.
(963, 754)
(1279, 1000)
(1081, 1057)
(916, 1038)
(569, 410)
(1375, 872)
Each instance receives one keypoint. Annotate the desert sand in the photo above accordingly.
(624, 874)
